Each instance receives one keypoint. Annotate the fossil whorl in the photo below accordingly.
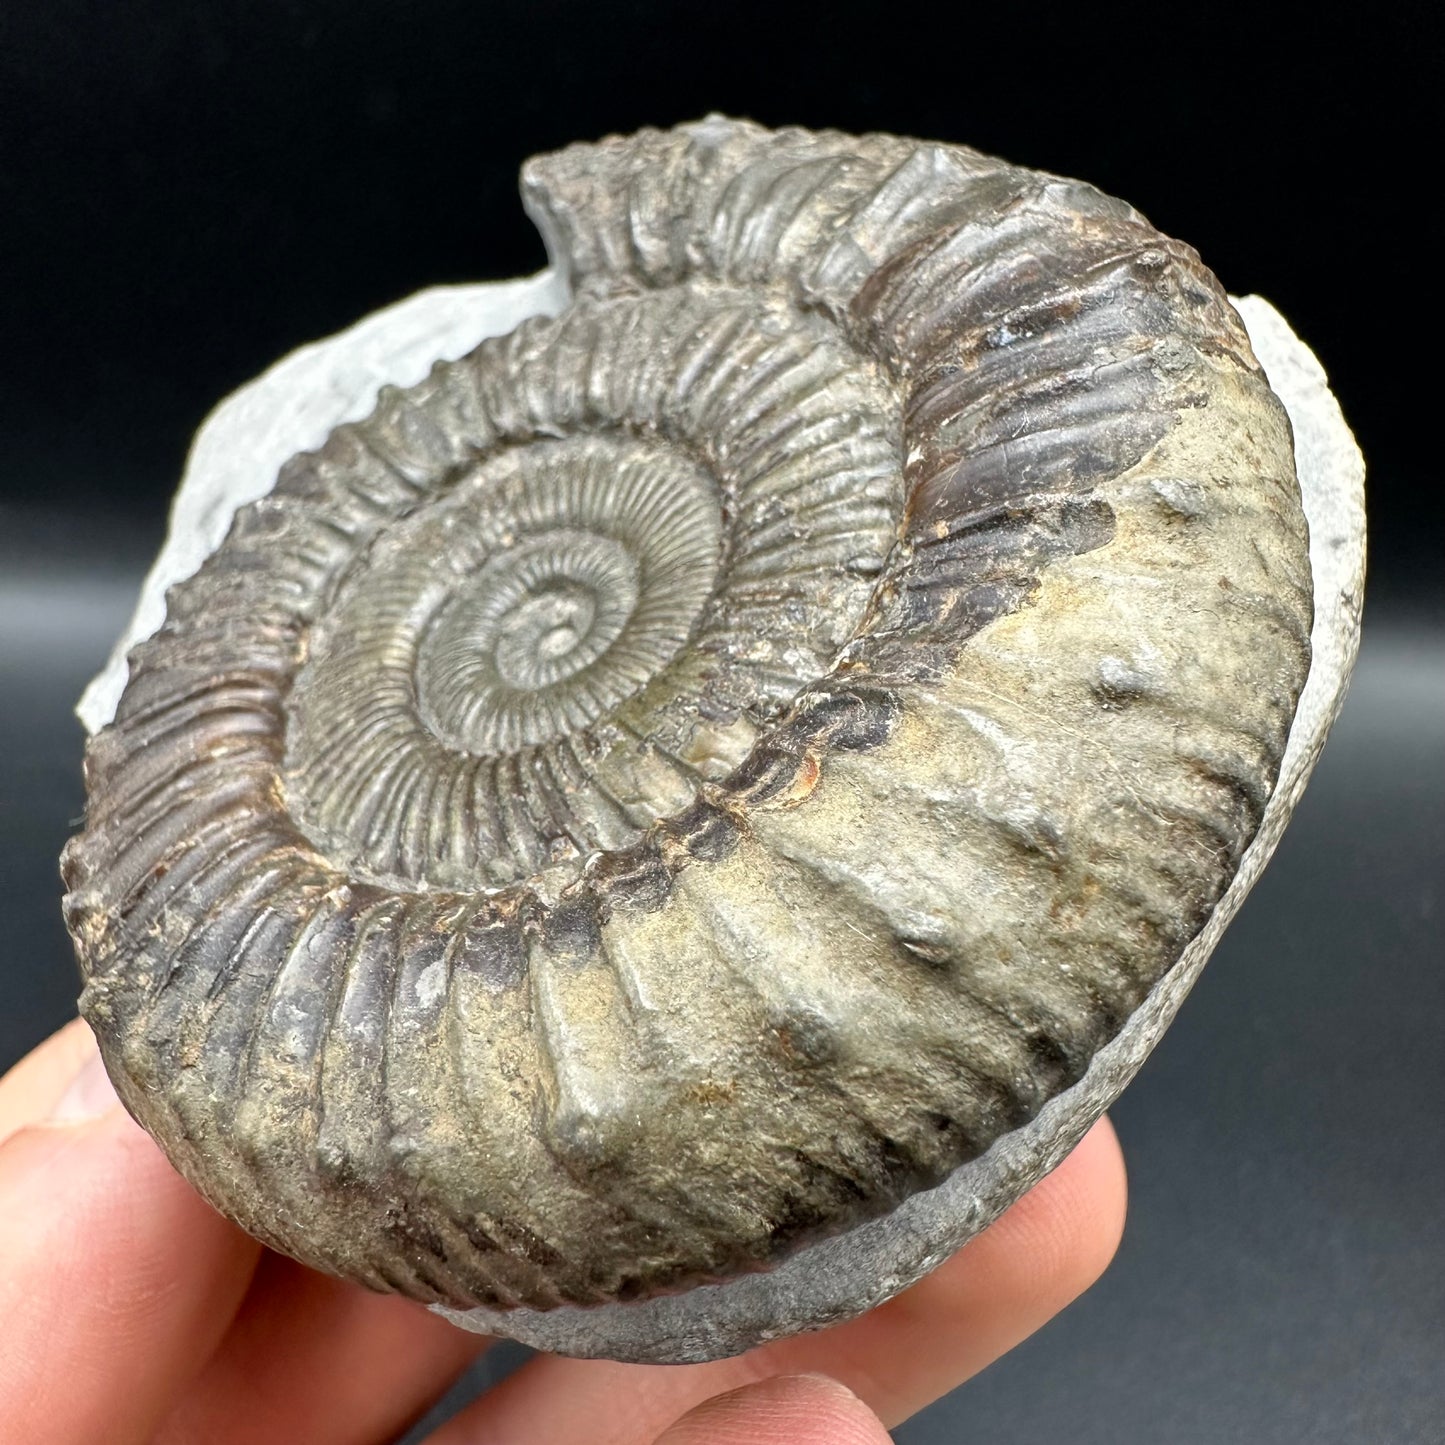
(698, 769)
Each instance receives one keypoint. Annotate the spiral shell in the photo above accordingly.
(699, 769)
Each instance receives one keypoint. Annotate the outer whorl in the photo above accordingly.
(699, 769)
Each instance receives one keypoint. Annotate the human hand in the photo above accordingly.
(132, 1312)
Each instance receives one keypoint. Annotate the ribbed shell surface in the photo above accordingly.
(696, 770)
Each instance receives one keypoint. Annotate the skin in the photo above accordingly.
(134, 1313)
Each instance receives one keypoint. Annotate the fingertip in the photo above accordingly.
(1063, 1234)
(31, 1089)
(1040, 1255)
(89, 1095)
(116, 1278)
(782, 1410)
(1101, 1178)
(316, 1359)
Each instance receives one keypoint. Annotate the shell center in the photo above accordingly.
(533, 616)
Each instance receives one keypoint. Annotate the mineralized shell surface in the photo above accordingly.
(693, 773)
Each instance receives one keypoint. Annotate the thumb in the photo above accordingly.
(784, 1410)
(116, 1279)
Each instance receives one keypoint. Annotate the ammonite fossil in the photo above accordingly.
(609, 834)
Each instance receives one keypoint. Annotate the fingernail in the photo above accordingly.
(88, 1095)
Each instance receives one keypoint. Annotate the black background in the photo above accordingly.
(189, 190)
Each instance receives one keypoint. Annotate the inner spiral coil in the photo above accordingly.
(600, 607)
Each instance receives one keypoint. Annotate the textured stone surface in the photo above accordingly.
(453, 645)
(843, 1277)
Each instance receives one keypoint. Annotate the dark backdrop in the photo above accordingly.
(188, 190)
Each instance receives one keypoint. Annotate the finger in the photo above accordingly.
(1041, 1254)
(786, 1410)
(316, 1359)
(116, 1278)
(33, 1087)
(1039, 1257)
